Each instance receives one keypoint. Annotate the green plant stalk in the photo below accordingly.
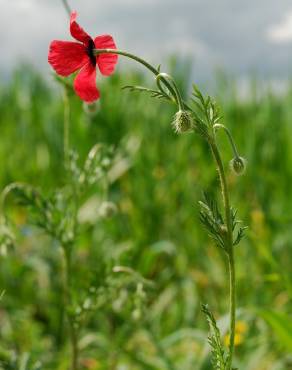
(66, 126)
(230, 138)
(224, 190)
(128, 55)
(67, 249)
(165, 77)
(68, 299)
(152, 69)
(232, 290)
(230, 247)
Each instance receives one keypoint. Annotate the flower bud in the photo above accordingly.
(238, 165)
(107, 209)
(182, 122)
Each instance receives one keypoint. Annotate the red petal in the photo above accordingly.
(106, 62)
(85, 83)
(76, 31)
(66, 57)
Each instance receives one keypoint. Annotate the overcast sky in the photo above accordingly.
(238, 36)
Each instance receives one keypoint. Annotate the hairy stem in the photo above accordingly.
(178, 97)
(68, 247)
(152, 69)
(155, 71)
(66, 127)
(68, 299)
(230, 248)
(230, 138)
(232, 290)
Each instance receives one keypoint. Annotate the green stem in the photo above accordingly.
(232, 290)
(230, 248)
(228, 133)
(66, 127)
(155, 71)
(178, 97)
(152, 69)
(68, 248)
(68, 300)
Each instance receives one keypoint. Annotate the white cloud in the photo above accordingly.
(233, 35)
(187, 46)
(25, 5)
(281, 32)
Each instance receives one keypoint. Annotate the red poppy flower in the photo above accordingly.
(67, 57)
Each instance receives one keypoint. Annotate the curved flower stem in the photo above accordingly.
(129, 55)
(228, 133)
(178, 97)
(229, 246)
(152, 69)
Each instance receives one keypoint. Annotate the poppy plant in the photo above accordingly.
(67, 57)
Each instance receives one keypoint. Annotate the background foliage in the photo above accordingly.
(156, 230)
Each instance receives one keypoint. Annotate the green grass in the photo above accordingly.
(156, 230)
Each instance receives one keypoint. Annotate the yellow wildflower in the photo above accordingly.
(240, 330)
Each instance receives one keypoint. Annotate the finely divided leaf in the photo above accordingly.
(219, 357)
(153, 93)
(207, 108)
(212, 220)
(240, 229)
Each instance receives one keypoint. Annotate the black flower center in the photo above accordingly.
(90, 53)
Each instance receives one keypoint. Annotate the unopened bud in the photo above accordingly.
(107, 209)
(182, 122)
(238, 165)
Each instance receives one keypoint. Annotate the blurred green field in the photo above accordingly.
(156, 230)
